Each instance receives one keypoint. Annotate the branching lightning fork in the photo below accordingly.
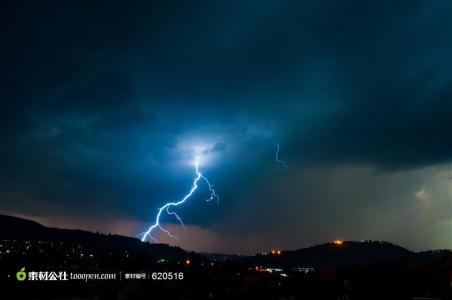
(167, 207)
(277, 157)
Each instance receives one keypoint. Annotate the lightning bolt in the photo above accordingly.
(168, 206)
(277, 157)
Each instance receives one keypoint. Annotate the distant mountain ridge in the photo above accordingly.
(324, 255)
(347, 253)
(23, 229)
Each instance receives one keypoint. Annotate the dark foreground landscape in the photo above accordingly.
(336, 270)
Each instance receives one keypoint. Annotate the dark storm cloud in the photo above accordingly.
(98, 98)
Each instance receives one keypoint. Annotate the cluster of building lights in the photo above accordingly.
(268, 270)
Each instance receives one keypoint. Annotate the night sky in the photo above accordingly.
(105, 105)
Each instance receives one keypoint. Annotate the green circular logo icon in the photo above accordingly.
(21, 275)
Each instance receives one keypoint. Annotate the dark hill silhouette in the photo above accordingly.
(330, 254)
(345, 254)
(22, 229)
(324, 255)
